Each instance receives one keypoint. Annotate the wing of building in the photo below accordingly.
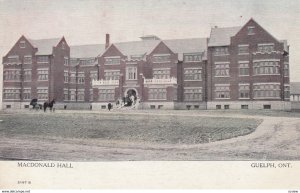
(241, 67)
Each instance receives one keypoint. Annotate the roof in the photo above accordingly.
(295, 88)
(137, 47)
(221, 36)
(44, 46)
(191, 45)
(86, 51)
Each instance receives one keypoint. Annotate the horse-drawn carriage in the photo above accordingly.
(35, 105)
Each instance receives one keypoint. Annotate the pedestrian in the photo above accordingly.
(109, 106)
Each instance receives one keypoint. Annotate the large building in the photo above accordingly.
(235, 68)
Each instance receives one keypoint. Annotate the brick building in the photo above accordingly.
(235, 68)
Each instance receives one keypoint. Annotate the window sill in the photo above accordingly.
(243, 54)
(222, 76)
(193, 80)
(244, 98)
(244, 75)
(222, 98)
(266, 74)
(157, 99)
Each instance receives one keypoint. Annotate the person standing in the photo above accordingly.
(109, 106)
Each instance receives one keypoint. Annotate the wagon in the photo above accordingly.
(35, 105)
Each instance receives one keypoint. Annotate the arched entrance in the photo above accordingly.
(130, 97)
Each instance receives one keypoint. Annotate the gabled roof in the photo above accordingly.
(44, 46)
(86, 51)
(295, 88)
(137, 47)
(221, 36)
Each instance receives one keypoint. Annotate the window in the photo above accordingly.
(192, 57)
(27, 75)
(157, 94)
(8, 106)
(112, 75)
(218, 107)
(22, 44)
(13, 59)
(26, 106)
(106, 94)
(66, 77)
(42, 59)
(80, 95)
(73, 77)
(265, 48)
(193, 94)
(63, 45)
(27, 60)
(131, 73)
(192, 73)
(72, 93)
(286, 69)
(152, 106)
(266, 90)
(222, 69)
(243, 49)
(12, 75)
(161, 73)
(222, 91)
(73, 62)
(42, 93)
(91, 95)
(244, 106)
(93, 75)
(66, 61)
(160, 106)
(196, 106)
(80, 78)
(87, 62)
(42, 74)
(66, 95)
(244, 68)
(226, 106)
(265, 67)
(267, 106)
(244, 91)
(286, 92)
(136, 57)
(251, 30)
(112, 60)
(161, 58)
(220, 51)
(27, 94)
(11, 93)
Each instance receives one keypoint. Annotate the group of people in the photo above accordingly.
(124, 102)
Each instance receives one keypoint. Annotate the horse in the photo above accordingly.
(49, 104)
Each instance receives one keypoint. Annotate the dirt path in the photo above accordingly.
(276, 138)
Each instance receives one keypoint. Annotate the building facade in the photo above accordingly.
(235, 68)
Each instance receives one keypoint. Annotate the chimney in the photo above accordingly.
(106, 41)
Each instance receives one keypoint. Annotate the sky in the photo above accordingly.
(87, 22)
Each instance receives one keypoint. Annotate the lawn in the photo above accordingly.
(126, 127)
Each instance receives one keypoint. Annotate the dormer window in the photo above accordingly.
(251, 30)
(22, 44)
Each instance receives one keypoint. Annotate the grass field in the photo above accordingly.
(136, 128)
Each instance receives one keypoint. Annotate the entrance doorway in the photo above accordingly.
(130, 97)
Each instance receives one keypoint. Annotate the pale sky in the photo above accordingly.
(87, 22)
